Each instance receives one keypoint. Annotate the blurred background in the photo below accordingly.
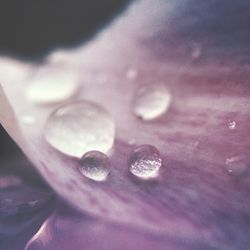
(30, 29)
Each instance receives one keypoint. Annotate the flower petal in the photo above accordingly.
(66, 228)
(24, 201)
(194, 197)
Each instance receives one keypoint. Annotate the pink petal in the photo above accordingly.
(65, 229)
(195, 197)
(25, 202)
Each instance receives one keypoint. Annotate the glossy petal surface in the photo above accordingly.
(194, 197)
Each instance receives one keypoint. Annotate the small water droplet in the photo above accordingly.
(145, 162)
(52, 87)
(95, 165)
(28, 119)
(196, 51)
(231, 124)
(132, 74)
(238, 165)
(152, 101)
(132, 142)
(79, 127)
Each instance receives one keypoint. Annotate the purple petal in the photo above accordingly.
(25, 201)
(194, 197)
(66, 229)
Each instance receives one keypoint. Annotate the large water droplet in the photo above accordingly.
(238, 165)
(145, 162)
(152, 101)
(79, 127)
(52, 87)
(95, 165)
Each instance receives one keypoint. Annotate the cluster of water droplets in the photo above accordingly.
(144, 162)
(85, 130)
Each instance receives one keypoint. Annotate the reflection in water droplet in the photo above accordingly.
(151, 102)
(95, 165)
(52, 87)
(231, 124)
(79, 127)
(145, 162)
(132, 74)
(238, 165)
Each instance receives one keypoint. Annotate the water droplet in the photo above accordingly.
(52, 87)
(145, 162)
(196, 51)
(238, 165)
(231, 124)
(132, 142)
(151, 102)
(95, 165)
(131, 74)
(28, 119)
(79, 127)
